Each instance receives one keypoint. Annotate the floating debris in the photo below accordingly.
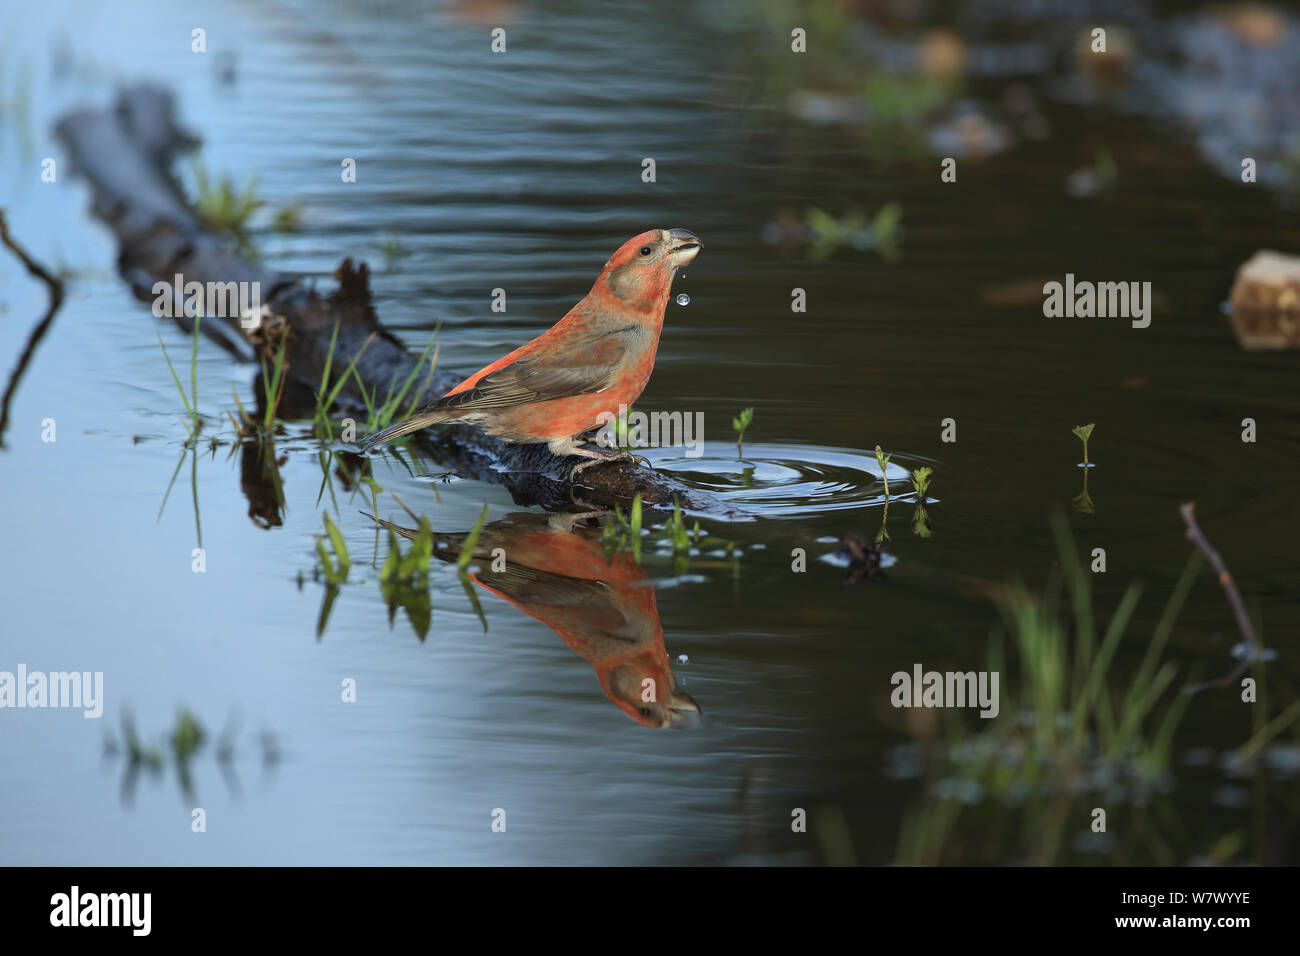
(1265, 302)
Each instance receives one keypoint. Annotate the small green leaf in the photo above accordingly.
(921, 481)
(471, 541)
(326, 565)
(635, 530)
(340, 546)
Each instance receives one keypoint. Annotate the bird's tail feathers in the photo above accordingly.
(412, 424)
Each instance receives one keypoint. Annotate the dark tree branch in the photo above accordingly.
(1197, 537)
(55, 285)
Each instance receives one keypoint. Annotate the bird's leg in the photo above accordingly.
(563, 447)
(565, 520)
(600, 458)
(588, 509)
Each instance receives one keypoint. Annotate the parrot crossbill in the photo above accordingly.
(603, 608)
(572, 378)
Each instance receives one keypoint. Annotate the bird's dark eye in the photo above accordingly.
(645, 250)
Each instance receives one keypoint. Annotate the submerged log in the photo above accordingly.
(125, 153)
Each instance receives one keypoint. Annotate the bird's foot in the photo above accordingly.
(600, 459)
(585, 508)
(566, 520)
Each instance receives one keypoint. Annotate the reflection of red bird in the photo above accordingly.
(603, 609)
(598, 357)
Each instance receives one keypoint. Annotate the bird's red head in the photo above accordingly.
(641, 272)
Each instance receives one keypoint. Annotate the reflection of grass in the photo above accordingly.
(634, 529)
(404, 578)
(1071, 741)
(335, 570)
(186, 740)
(1083, 500)
(686, 548)
(920, 518)
(193, 454)
(463, 562)
(471, 542)
(676, 532)
(921, 522)
(137, 752)
(195, 423)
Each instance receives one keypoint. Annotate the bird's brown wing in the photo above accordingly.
(586, 365)
(529, 586)
(577, 602)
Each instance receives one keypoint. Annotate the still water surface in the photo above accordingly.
(522, 171)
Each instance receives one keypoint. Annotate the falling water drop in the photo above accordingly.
(683, 299)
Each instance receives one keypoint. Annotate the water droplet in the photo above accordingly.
(683, 299)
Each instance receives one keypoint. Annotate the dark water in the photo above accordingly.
(522, 171)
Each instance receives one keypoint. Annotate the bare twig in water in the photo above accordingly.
(55, 285)
(1197, 537)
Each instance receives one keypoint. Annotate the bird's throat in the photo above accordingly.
(640, 290)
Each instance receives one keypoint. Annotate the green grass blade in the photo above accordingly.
(471, 541)
(340, 546)
(175, 378)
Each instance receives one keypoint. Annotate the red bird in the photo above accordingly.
(596, 358)
(602, 606)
